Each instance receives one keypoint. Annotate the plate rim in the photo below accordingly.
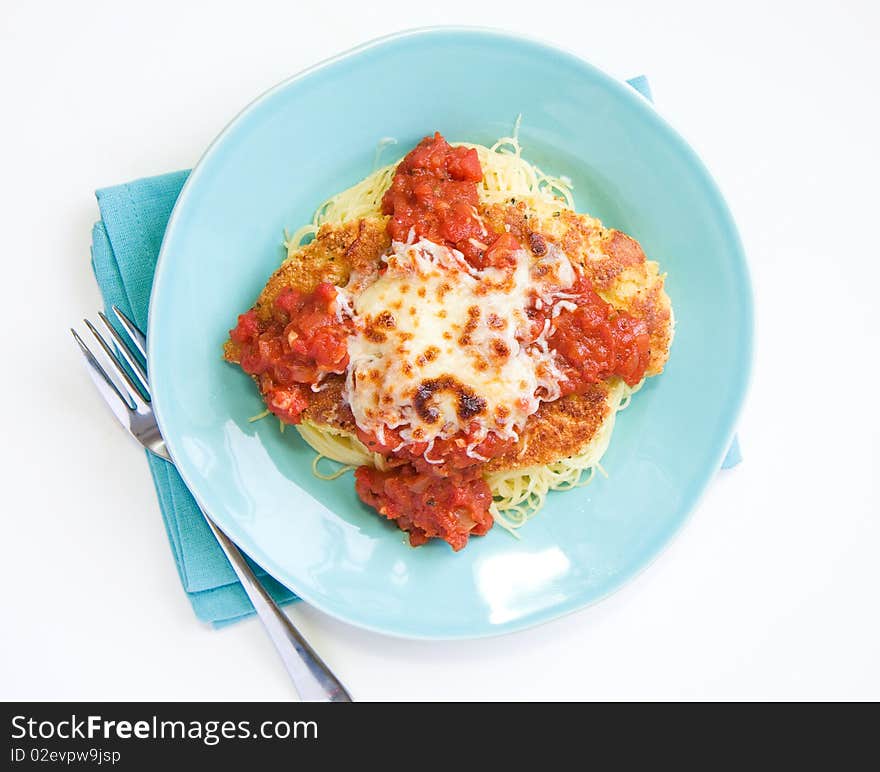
(733, 410)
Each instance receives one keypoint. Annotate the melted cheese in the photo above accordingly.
(437, 348)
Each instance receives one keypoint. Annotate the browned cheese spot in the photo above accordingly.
(469, 404)
(500, 348)
(386, 320)
(538, 244)
(470, 325)
(495, 322)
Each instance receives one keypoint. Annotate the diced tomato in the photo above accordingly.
(464, 164)
(595, 341)
(427, 506)
(288, 402)
(434, 194)
(290, 351)
(442, 496)
(246, 329)
(502, 252)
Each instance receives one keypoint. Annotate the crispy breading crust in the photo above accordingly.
(557, 430)
(614, 262)
(327, 408)
(334, 253)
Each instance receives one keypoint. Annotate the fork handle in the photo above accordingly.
(312, 678)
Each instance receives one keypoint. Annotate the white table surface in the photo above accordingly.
(769, 592)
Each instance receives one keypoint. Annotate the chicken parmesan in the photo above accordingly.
(454, 332)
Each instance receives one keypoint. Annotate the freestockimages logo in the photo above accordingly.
(154, 728)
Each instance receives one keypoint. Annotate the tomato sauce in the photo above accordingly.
(300, 343)
(451, 507)
(595, 341)
(434, 196)
(442, 495)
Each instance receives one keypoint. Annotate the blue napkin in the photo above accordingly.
(125, 246)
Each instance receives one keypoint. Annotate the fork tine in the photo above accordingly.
(109, 391)
(133, 393)
(127, 355)
(137, 337)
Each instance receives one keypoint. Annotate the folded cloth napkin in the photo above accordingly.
(125, 246)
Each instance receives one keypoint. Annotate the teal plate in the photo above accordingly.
(317, 134)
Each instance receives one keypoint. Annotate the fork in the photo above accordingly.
(129, 399)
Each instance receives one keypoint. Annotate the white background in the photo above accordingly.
(771, 589)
